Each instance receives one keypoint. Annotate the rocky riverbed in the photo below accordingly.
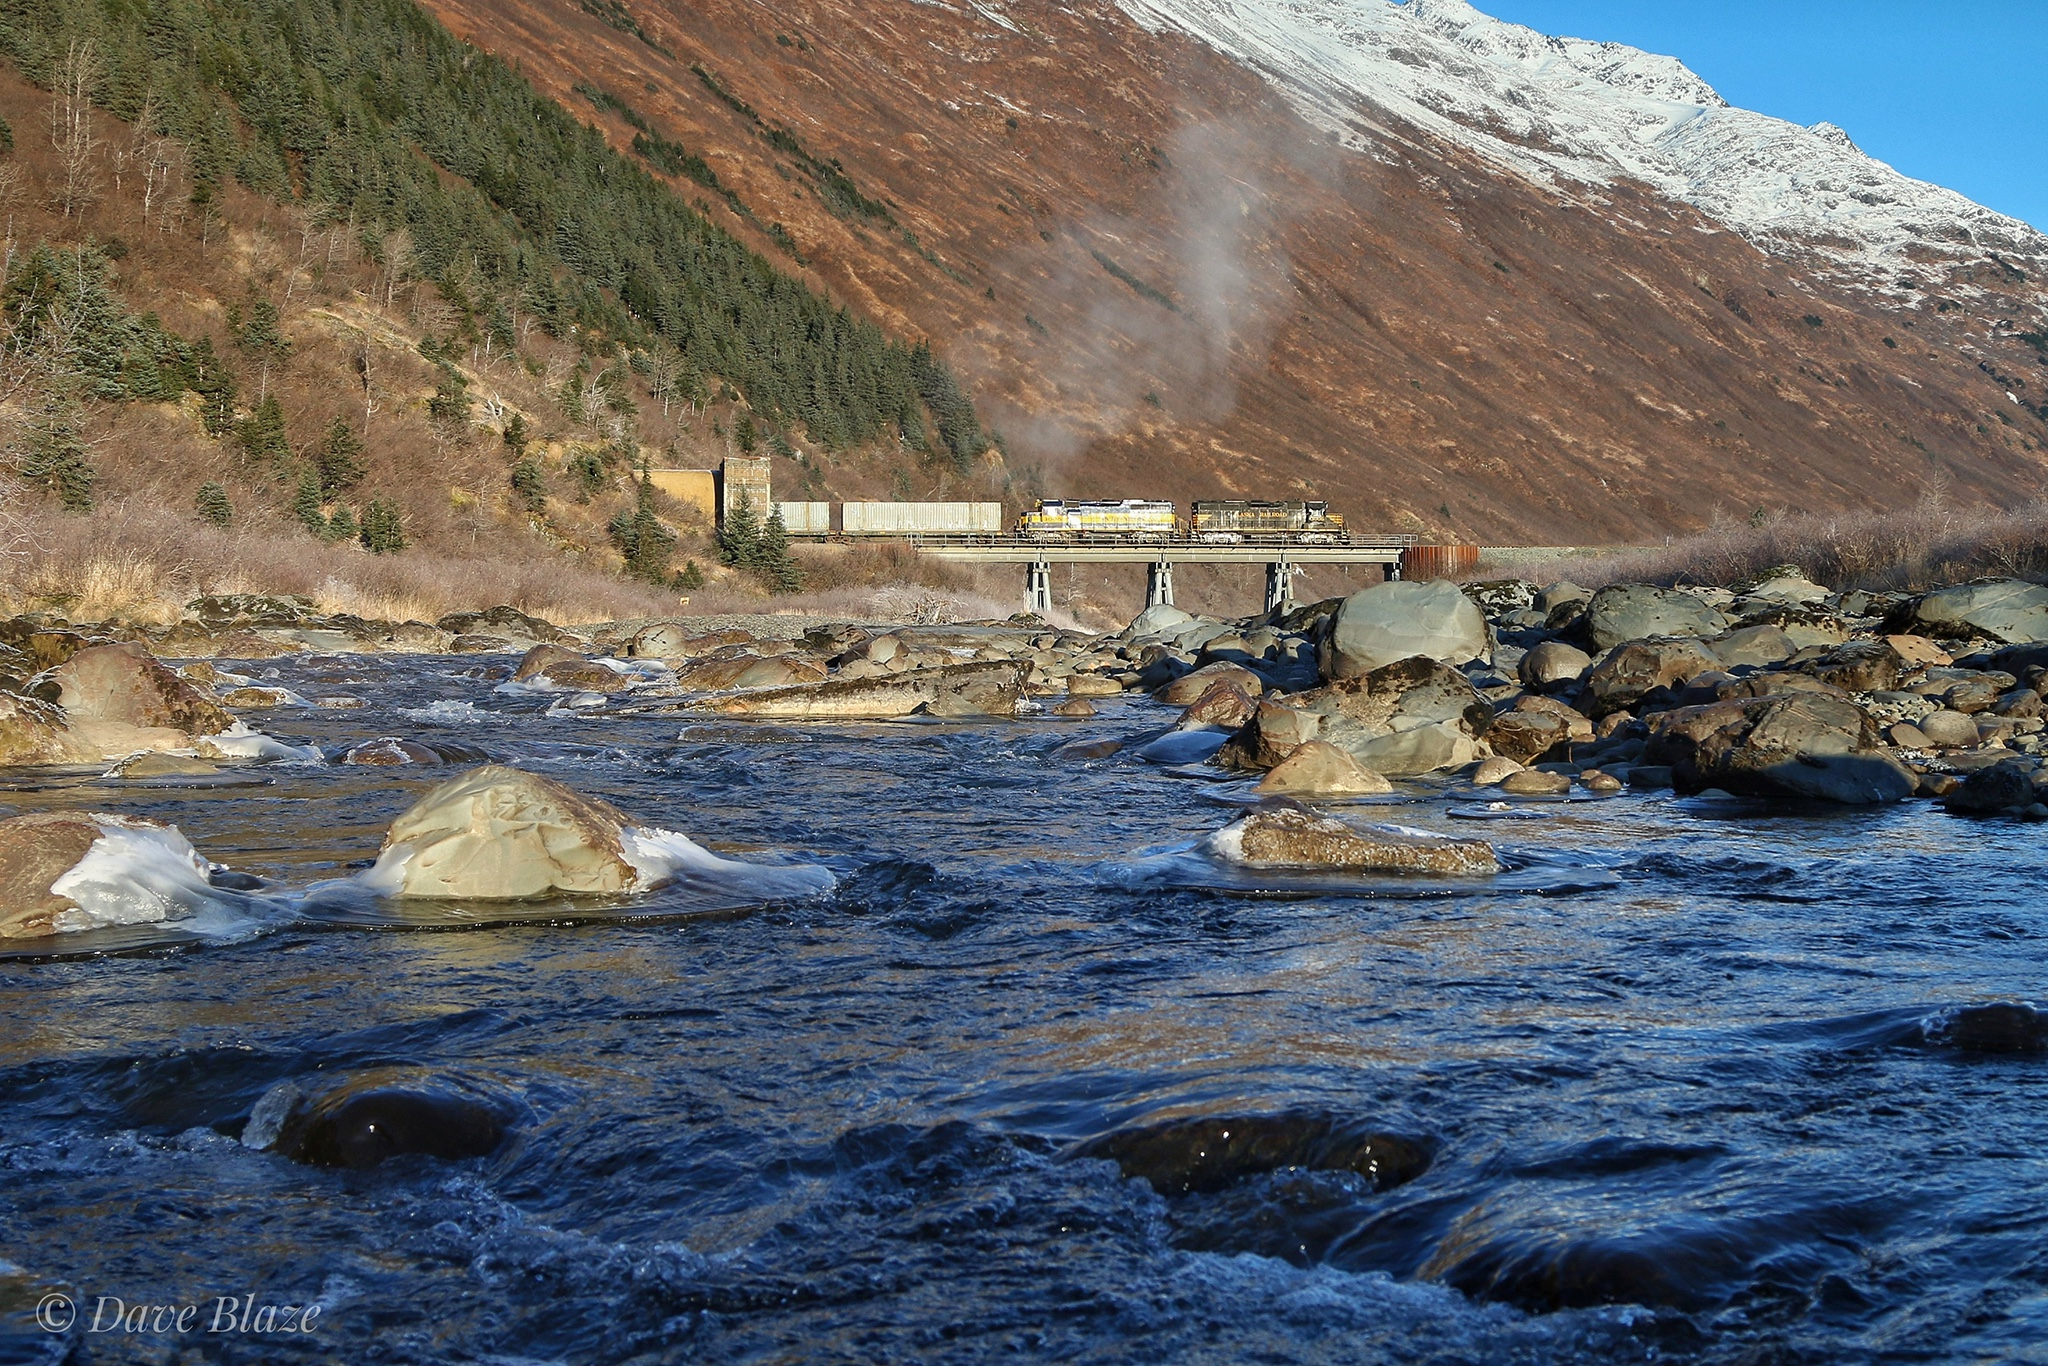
(1483, 961)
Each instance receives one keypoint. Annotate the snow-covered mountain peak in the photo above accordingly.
(1565, 110)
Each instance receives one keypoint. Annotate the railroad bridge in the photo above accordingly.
(1282, 560)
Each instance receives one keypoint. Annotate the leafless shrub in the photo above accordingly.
(1912, 548)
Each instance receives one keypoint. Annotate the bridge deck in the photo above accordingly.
(1011, 551)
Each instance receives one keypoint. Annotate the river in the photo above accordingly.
(1699, 1083)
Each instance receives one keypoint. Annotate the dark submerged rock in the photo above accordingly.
(358, 1128)
(1208, 1153)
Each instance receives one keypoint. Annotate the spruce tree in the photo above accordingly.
(340, 458)
(383, 531)
(776, 564)
(213, 504)
(531, 487)
(739, 540)
(262, 433)
(56, 459)
(690, 576)
(516, 435)
(306, 505)
(215, 384)
(342, 526)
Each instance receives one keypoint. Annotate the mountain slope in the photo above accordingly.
(1564, 110)
(1174, 256)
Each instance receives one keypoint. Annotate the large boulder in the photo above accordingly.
(126, 685)
(497, 832)
(1553, 665)
(1642, 667)
(35, 852)
(990, 688)
(2007, 786)
(541, 658)
(1859, 666)
(671, 640)
(1757, 646)
(2007, 610)
(1422, 749)
(504, 622)
(1531, 730)
(1162, 620)
(31, 731)
(1634, 611)
(1390, 622)
(1787, 745)
(1184, 690)
(1274, 732)
(1297, 839)
(1410, 717)
(1223, 705)
(1322, 770)
(63, 871)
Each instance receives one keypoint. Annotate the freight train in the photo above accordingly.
(1212, 522)
(1063, 521)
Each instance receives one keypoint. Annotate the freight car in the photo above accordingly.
(1238, 521)
(922, 519)
(1128, 519)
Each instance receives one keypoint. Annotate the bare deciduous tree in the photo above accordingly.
(71, 128)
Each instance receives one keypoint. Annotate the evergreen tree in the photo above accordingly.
(516, 435)
(450, 402)
(209, 378)
(213, 504)
(531, 487)
(743, 432)
(342, 525)
(259, 334)
(588, 468)
(383, 531)
(340, 458)
(639, 535)
(306, 505)
(777, 565)
(57, 459)
(262, 433)
(739, 540)
(690, 576)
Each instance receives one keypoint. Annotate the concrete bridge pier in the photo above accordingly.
(1159, 584)
(1280, 584)
(1038, 586)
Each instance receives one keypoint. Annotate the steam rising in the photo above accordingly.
(1208, 234)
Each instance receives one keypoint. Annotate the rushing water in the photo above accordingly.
(1698, 1083)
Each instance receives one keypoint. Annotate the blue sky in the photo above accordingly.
(1952, 91)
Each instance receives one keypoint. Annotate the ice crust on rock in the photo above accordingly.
(141, 873)
(1559, 111)
(663, 857)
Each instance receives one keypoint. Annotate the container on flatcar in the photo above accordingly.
(1126, 519)
(922, 519)
(806, 519)
(1232, 521)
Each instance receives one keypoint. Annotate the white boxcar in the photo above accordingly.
(923, 519)
(806, 519)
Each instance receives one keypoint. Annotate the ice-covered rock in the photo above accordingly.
(66, 871)
(1295, 839)
(497, 832)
